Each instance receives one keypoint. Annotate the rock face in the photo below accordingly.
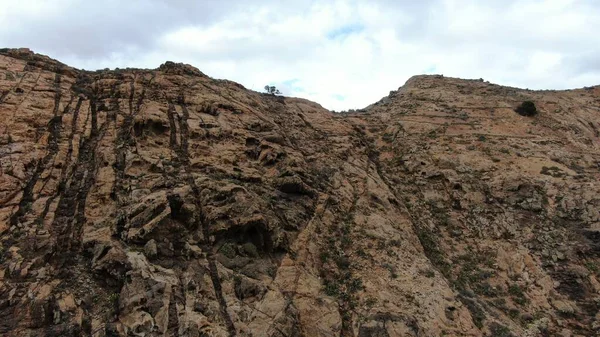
(166, 203)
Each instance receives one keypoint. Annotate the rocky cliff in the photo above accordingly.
(167, 203)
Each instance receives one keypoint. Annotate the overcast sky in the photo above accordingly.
(341, 54)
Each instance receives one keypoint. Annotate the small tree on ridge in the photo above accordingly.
(272, 90)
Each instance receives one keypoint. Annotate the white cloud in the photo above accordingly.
(342, 54)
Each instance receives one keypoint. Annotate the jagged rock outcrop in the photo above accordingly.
(166, 203)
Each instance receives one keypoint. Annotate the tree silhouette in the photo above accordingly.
(272, 90)
(527, 108)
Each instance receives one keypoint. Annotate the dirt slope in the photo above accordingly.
(167, 203)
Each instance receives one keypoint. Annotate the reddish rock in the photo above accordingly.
(163, 202)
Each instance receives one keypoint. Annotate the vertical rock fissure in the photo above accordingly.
(57, 94)
(70, 212)
(94, 117)
(66, 166)
(123, 142)
(51, 199)
(173, 320)
(131, 94)
(173, 129)
(183, 155)
(73, 130)
(54, 127)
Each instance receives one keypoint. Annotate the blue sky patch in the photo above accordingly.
(339, 97)
(291, 86)
(291, 82)
(344, 31)
(431, 70)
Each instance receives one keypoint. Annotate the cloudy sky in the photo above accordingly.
(342, 54)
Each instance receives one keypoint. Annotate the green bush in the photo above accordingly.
(228, 249)
(272, 90)
(250, 249)
(527, 108)
(499, 330)
(331, 289)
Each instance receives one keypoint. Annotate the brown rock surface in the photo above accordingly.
(167, 203)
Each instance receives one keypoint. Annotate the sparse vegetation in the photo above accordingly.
(592, 267)
(431, 247)
(552, 171)
(517, 294)
(324, 256)
(228, 249)
(527, 108)
(429, 273)
(250, 249)
(272, 90)
(391, 269)
(440, 214)
(477, 312)
(370, 302)
(113, 299)
(388, 137)
(471, 274)
(331, 288)
(337, 269)
(499, 330)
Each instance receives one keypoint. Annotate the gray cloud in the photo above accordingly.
(98, 28)
(341, 53)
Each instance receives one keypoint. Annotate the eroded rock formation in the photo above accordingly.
(167, 203)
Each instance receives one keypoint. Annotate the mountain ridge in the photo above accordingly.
(164, 202)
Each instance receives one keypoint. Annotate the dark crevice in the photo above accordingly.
(131, 94)
(173, 318)
(216, 281)
(123, 142)
(70, 212)
(94, 116)
(173, 135)
(50, 200)
(3, 95)
(65, 168)
(53, 127)
(183, 157)
(74, 120)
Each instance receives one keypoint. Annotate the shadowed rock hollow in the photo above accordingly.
(167, 203)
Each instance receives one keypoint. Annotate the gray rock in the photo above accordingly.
(150, 249)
